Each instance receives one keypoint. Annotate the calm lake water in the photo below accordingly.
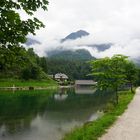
(47, 115)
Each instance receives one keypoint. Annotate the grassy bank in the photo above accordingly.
(22, 83)
(93, 130)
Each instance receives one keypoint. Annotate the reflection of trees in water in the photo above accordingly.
(76, 107)
(79, 101)
(11, 127)
(61, 94)
(64, 90)
(19, 109)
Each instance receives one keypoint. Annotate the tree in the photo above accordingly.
(10, 58)
(112, 72)
(20, 63)
(32, 72)
(42, 62)
(13, 30)
(131, 73)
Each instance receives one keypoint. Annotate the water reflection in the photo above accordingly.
(41, 115)
(60, 97)
(85, 90)
(61, 94)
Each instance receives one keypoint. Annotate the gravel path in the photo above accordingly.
(127, 127)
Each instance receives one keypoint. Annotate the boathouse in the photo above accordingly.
(85, 86)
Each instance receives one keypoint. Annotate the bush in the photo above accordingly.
(32, 72)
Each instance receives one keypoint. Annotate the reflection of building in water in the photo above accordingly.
(60, 97)
(85, 86)
(87, 90)
(63, 91)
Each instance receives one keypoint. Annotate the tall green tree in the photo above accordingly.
(113, 72)
(13, 30)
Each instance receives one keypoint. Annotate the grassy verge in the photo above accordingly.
(93, 130)
(22, 83)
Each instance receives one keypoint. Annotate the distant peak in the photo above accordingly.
(31, 41)
(75, 35)
(82, 31)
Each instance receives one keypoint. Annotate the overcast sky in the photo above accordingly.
(115, 21)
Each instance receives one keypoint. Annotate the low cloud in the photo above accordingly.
(107, 21)
(130, 48)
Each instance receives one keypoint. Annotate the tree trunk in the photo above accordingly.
(131, 86)
(117, 98)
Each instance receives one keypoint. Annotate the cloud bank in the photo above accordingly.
(116, 22)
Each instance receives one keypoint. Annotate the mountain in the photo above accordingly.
(81, 33)
(66, 52)
(75, 35)
(80, 54)
(31, 41)
(136, 61)
(101, 47)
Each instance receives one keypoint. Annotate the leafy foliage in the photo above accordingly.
(131, 73)
(18, 63)
(13, 30)
(15, 61)
(113, 72)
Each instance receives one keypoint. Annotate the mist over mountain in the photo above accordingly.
(69, 46)
(81, 34)
(75, 35)
(31, 41)
(137, 61)
(116, 22)
(76, 45)
(100, 47)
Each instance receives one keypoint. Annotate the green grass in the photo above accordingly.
(22, 83)
(94, 130)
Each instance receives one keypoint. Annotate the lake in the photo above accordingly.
(48, 114)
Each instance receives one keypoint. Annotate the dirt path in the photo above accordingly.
(127, 127)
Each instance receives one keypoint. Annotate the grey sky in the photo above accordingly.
(116, 21)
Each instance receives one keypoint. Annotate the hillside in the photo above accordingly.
(80, 54)
(74, 69)
(73, 63)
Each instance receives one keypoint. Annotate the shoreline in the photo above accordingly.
(28, 88)
(95, 129)
(35, 87)
(127, 125)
